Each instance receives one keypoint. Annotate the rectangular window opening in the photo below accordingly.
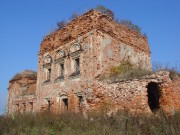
(80, 103)
(77, 66)
(61, 70)
(48, 74)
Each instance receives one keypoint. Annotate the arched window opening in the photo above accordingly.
(153, 96)
(60, 59)
(47, 68)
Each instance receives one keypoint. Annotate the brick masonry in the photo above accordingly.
(72, 59)
(21, 92)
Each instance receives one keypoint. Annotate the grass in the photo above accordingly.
(26, 73)
(126, 71)
(97, 124)
(174, 71)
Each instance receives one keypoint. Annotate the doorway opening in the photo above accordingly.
(80, 103)
(153, 96)
(24, 107)
(65, 101)
(49, 106)
(31, 104)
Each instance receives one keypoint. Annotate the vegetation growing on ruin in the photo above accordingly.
(26, 73)
(74, 15)
(125, 70)
(105, 10)
(126, 23)
(121, 123)
(61, 24)
(130, 25)
(173, 70)
(26, 93)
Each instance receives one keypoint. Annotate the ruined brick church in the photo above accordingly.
(72, 59)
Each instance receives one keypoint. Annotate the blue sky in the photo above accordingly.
(23, 24)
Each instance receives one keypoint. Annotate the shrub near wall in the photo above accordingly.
(96, 123)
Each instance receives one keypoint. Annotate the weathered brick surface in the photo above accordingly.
(21, 92)
(132, 95)
(88, 22)
(175, 93)
(72, 59)
(104, 43)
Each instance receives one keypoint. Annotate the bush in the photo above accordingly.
(61, 24)
(130, 25)
(25, 73)
(174, 71)
(125, 71)
(97, 123)
(122, 68)
(73, 16)
(105, 10)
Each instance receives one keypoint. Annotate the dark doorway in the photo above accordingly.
(24, 107)
(80, 103)
(49, 106)
(17, 106)
(31, 103)
(153, 96)
(65, 101)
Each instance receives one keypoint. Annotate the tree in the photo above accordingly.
(106, 11)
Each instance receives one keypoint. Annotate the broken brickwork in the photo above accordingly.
(21, 92)
(72, 59)
(146, 94)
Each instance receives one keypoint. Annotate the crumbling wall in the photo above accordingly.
(70, 85)
(21, 92)
(111, 52)
(102, 44)
(93, 20)
(88, 47)
(132, 95)
(175, 93)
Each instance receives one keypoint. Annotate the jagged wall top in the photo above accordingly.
(25, 74)
(85, 23)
